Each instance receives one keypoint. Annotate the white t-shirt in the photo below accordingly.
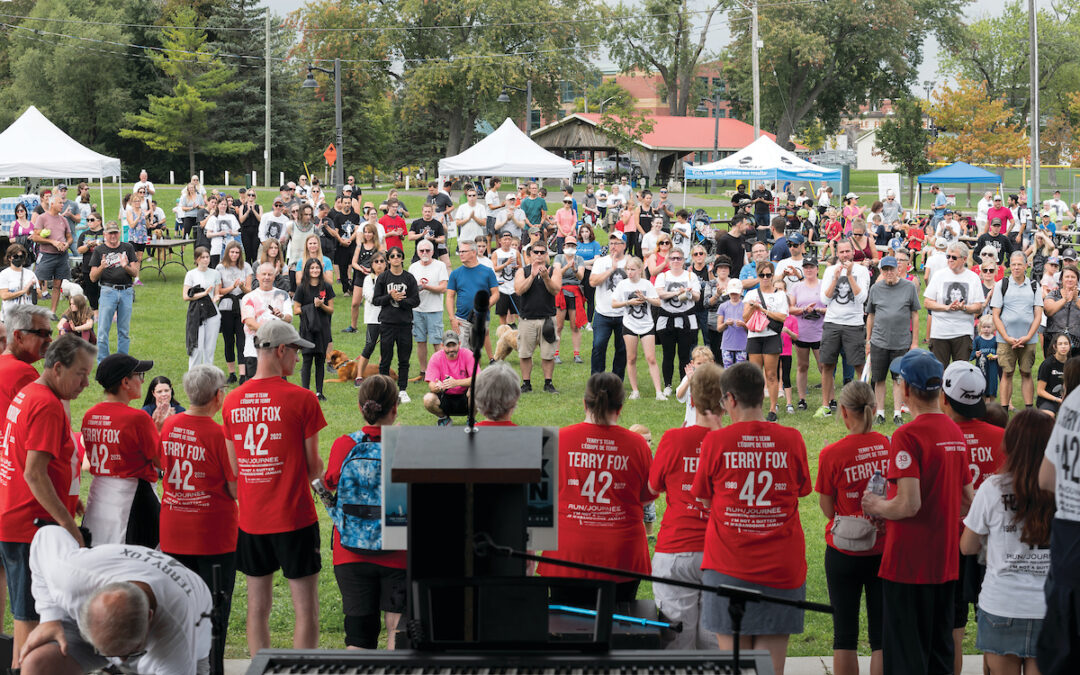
(257, 305)
(1058, 209)
(844, 308)
(602, 198)
(602, 298)
(431, 275)
(65, 576)
(272, 226)
(680, 238)
(466, 211)
(624, 192)
(636, 318)
(946, 287)
(207, 279)
(670, 281)
(506, 274)
(823, 197)
(784, 267)
(226, 223)
(14, 281)
(149, 187)
(935, 263)
(983, 209)
(493, 203)
(774, 302)
(1063, 451)
(648, 241)
(1015, 572)
(371, 310)
(949, 230)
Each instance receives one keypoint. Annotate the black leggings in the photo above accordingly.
(671, 339)
(590, 295)
(249, 237)
(232, 329)
(715, 338)
(189, 225)
(783, 366)
(314, 361)
(846, 577)
(372, 340)
(399, 334)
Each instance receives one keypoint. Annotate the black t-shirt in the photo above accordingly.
(537, 302)
(251, 222)
(761, 207)
(732, 247)
(1000, 242)
(320, 333)
(433, 229)
(114, 272)
(738, 198)
(97, 237)
(346, 224)
(1051, 372)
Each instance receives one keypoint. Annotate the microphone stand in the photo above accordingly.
(737, 597)
(481, 304)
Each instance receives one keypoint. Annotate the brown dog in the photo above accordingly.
(506, 342)
(346, 368)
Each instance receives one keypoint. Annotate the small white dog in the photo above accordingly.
(69, 289)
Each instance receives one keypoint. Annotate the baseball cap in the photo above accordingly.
(809, 261)
(964, 387)
(1053, 260)
(887, 261)
(116, 367)
(279, 202)
(734, 286)
(1045, 214)
(617, 237)
(511, 197)
(851, 195)
(796, 238)
(996, 221)
(568, 200)
(277, 333)
(450, 337)
(997, 198)
(949, 212)
(1068, 254)
(802, 189)
(919, 368)
(346, 190)
(111, 226)
(802, 213)
(941, 244)
(62, 186)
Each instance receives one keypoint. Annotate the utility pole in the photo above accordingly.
(340, 168)
(1034, 200)
(266, 60)
(756, 70)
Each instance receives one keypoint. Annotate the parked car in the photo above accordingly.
(626, 165)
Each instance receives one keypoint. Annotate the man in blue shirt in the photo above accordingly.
(535, 207)
(748, 275)
(465, 282)
(941, 202)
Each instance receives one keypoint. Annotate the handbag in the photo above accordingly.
(771, 324)
(757, 322)
(853, 533)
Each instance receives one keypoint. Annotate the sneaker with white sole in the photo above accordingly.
(661, 396)
(897, 419)
(790, 409)
(634, 395)
(403, 397)
(667, 390)
(879, 418)
(823, 411)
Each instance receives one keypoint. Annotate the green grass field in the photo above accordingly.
(158, 328)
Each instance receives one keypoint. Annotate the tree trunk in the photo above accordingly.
(1051, 177)
(911, 192)
(783, 131)
(453, 137)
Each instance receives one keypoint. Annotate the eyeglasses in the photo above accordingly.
(989, 270)
(43, 333)
(535, 252)
(765, 275)
(953, 257)
(663, 243)
(698, 254)
(395, 256)
(675, 259)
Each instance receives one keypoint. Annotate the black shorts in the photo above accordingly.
(295, 553)
(807, 345)
(453, 405)
(504, 305)
(626, 331)
(571, 301)
(880, 360)
(139, 247)
(772, 344)
(368, 588)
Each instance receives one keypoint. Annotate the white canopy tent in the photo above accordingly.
(34, 147)
(507, 151)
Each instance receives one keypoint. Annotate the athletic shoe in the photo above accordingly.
(588, 327)
(550, 388)
(491, 361)
(790, 409)
(557, 359)
(403, 397)
(357, 381)
(879, 418)
(897, 419)
(445, 422)
(802, 404)
(904, 409)
(823, 411)
(661, 396)
(232, 379)
(667, 390)
(771, 417)
(320, 396)
(634, 395)
(138, 282)
(243, 379)
(526, 387)
(578, 359)
(832, 405)
(349, 329)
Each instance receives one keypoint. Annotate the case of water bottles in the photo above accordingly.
(7, 210)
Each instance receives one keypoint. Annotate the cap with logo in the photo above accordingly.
(809, 261)
(450, 338)
(116, 367)
(796, 238)
(964, 388)
(919, 368)
(941, 244)
(734, 286)
(111, 226)
(887, 261)
(1068, 254)
(276, 333)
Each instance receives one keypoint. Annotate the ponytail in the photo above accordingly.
(858, 398)
(604, 396)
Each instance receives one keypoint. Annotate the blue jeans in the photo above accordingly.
(605, 328)
(118, 302)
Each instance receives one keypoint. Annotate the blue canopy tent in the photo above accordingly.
(957, 172)
(762, 160)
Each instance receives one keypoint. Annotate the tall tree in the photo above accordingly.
(903, 139)
(662, 35)
(822, 60)
(973, 127)
(182, 120)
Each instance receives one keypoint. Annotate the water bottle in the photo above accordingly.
(876, 484)
(328, 498)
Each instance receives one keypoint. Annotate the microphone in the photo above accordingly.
(481, 303)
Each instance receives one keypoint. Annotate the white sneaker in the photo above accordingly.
(661, 396)
(634, 395)
(403, 397)
(588, 327)
(667, 391)
(905, 410)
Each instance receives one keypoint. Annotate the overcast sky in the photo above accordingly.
(719, 35)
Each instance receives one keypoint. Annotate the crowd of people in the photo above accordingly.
(908, 514)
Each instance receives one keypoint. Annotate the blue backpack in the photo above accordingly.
(357, 511)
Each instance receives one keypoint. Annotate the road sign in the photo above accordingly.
(330, 154)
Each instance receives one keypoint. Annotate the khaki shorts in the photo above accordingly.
(1007, 357)
(529, 336)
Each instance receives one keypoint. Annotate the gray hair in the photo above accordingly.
(497, 391)
(116, 618)
(66, 349)
(270, 266)
(425, 244)
(960, 248)
(466, 244)
(202, 382)
(21, 317)
(1018, 253)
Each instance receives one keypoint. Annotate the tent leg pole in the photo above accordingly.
(101, 185)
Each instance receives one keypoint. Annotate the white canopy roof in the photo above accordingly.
(507, 151)
(762, 160)
(34, 147)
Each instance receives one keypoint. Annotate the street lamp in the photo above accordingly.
(505, 98)
(310, 83)
(715, 101)
(607, 100)
(928, 86)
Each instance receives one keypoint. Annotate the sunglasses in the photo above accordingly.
(42, 333)
(698, 254)
(675, 259)
(395, 256)
(765, 275)
(954, 257)
(535, 252)
(663, 243)
(988, 270)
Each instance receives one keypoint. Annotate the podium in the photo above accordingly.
(462, 482)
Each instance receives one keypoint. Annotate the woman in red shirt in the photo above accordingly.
(603, 471)
(843, 471)
(373, 581)
(198, 501)
(751, 475)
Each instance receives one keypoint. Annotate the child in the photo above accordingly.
(719, 284)
(730, 323)
(650, 508)
(984, 354)
(915, 238)
(699, 356)
(78, 319)
(834, 229)
(790, 331)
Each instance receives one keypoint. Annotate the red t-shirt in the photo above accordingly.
(925, 548)
(843, 471)
(122, 441)
(338, 452)
(984, 445)
(754, 474)
(36, 421)
(14, 375)
(267, 419)
(602, 490)
(389, 225)
(683, 528)
(198, 515)
(915, 237)
(491, 423)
